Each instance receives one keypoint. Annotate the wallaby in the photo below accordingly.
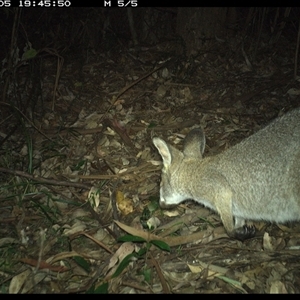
(257, 179)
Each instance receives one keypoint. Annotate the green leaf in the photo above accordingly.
(142, 251)
(79, 165)
(78, 84)
(124, 263)
(161, 245)
(101, 289)
(31, 53)
(147, 275)
(146, 214)
(154, 204)
(130, 238)
(152, 125)
(82, 263)
(234, 283)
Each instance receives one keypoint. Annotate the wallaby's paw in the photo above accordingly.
(245, 232)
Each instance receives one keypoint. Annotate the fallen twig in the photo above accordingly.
(46, 180)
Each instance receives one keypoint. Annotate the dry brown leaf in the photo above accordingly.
(124, 250)
(171, 241)
(124, 204)
(78, 226)
(267, 242)
(278, 287)
(94, 198)
(18, 281)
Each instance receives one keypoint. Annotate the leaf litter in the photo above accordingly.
(96, 176)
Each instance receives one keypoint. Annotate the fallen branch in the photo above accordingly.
(43, 180)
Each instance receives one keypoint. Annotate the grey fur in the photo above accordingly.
(257, 179)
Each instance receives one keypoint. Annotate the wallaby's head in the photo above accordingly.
(176, 166)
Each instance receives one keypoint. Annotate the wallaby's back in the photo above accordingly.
(257, 179)
(264, 171)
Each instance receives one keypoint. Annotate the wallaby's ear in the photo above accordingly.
(194, 144)
(163, 150)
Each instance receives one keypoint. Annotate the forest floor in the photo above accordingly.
(80, 179)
